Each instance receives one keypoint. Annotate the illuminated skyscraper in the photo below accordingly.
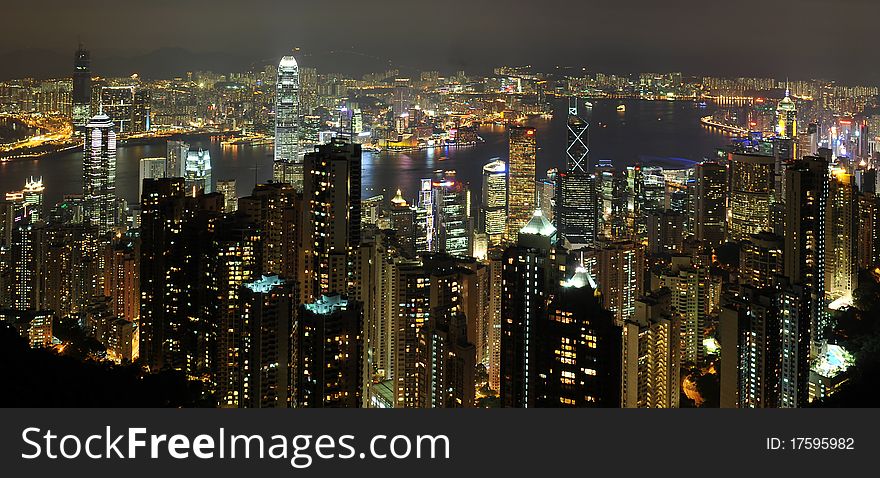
(619, 269)
(82, 89)
(577, 354)
(651, 354)
(760, 260)
(577, 208)
(532, 270)
(711, 197)
(494, 204)
(99, 173)
(869, 230)
(806, 204)
(751, 194)
(117, 102)
(32, 195)
(841, 270)
(452, 215)
(266, 307)
(576, 152)
(332, 220)
(695, 295)
(521, 179)
(176, 152)
(288, 154)
(786, 118)
(198, 172)
(226, 187)
(150, 168)
(327, 354)
(403, 218)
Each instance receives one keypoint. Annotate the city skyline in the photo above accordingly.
(557, 287)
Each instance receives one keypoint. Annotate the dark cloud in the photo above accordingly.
(797, 38)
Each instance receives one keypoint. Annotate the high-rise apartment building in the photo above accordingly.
(651, 354)
(332, 222)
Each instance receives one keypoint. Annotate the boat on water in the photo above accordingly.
(621, 108)
(588, 104)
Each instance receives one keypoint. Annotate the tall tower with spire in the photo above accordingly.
(288, 165)
(82, 89)
(786, 116)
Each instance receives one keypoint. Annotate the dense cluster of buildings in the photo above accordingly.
(598, 285)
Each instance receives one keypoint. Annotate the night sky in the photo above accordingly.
(797, 38)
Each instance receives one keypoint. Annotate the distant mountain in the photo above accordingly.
(171, 62)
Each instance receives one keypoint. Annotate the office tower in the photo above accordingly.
(266, 304)
(619, 269)
(619, 221)
(452, 215)
(786, 118)
(520, 179)
(275, 209)
(122, 276)
(493, 217)
(327, 353)
(545, 189)
(841, 270)
(332, 223)
(806, 203)
(32, 198)
(532, 270)
(232, 261)
(197, 172)
(82, 89)
(577, 208)
(576, 159)
(140, 111)
(651, 354)
(99, 173)
(711, 197)
(665, 232)
(371, 210)
(760, 260)
(425, 222)
(226, 187)
(117, 102)
(578, 349)
(150, 168)
(288, 156)
(695, 295)
(403, 217)
(869, 231)
(176, 153)
(764, 340)
(751, 194)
